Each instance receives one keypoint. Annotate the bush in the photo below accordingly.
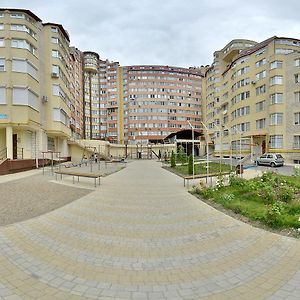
(236, 181)
(190, 165)
(173, 160)
(286, 194)
(207, 193)
(227, 197)
(181, 155)
(268, 194)
(273, 214)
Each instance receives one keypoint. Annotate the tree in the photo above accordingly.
(181, 155)
(190, 164)
(173, 160)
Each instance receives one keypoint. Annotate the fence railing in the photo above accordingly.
(20, 153)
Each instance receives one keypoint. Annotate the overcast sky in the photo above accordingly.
(167, 32)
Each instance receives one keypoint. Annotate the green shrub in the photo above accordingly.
(173, 160)
(207, 193)
(273, 214)
(236, 181)
(285, 194)
(268, 194)
(181, 156)
(227, 197)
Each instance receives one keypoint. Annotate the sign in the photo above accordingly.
(3, 116)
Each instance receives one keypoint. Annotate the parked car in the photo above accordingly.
(270, 159)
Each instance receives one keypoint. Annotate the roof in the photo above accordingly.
(28, 12)
(64, 32)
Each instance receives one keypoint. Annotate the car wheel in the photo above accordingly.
(273, 165)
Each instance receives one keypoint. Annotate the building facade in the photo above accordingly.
(35, 97)
(252, 102)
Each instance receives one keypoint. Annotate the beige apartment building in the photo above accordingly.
(35, 93)
(252, 102)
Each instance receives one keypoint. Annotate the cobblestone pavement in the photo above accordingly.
(141, 235)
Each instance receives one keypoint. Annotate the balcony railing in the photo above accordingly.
(3, 153)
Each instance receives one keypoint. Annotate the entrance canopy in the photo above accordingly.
(185, 134)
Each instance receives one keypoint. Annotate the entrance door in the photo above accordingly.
(263, 147)
(15, 146)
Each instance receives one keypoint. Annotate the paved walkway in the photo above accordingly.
(142, 236)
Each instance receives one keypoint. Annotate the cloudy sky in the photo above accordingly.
(168, 32)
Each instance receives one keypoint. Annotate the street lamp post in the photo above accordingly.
(193, 154)
(221, 144)
(230, 146)
(207, 165)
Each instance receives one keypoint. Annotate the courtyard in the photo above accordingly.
(140, 235)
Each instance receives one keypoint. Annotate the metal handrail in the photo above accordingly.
(20, 153)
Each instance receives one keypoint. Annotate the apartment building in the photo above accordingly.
(37, 94)
(160, 100)
(252, 102)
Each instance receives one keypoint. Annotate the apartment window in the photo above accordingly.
(24, 96)
(22, 27)
(261, 75)
(297, 118)
(59, 115)
(54, 29)
(2, 95)
(1, 15)
(276, 98)
(260, 90)
(296, 142)
(276, 141)
(17, 16)
(55, 53)
(276, 80)
(297, 96)
(24, 66)
(2, 64)
(260, 106)
(261, 123)
(1, 26)
(276, 64)
(23, 44)
(2, 43)
(260, 62)
(297, 78)
(283, 51)
(54, 40)
(297, 62)
(276, 119)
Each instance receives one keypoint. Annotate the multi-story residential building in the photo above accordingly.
(251, 98)
(35, 99)
(159, 100)
(76, 89)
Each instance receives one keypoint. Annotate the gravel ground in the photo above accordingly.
(31, 196)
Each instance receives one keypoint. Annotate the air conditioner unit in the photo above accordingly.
(44, 99)
(54, 75)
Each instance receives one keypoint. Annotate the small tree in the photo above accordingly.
(173, 160)
(181, 155)
(190, 164)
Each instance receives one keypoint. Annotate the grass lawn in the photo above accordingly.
(200, 168)
(273, 200)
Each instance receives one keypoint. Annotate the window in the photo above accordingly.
(54, 40)
(24, 96)
(283, 51)
(276, 141)
(297, 96)
(297, 62)
(261, 123)
(24, 66)
(17, 16)
(56, 53)
(260, 90)
(59, 115)
(22, 27)
(277, 64)
(2, 43)
(23, 44)
(296, 142)
(276, 80)
(260, 62)
(2, 64)
(2, 95)
(276, 98)
(297, 118)
(276, 119)
(261, 75)
(1, 26)
(297, 78)
(54, 29)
